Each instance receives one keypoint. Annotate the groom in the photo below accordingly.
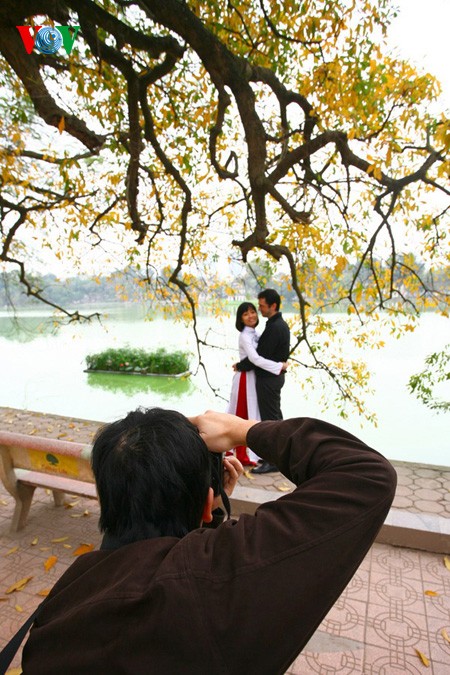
(273, 344)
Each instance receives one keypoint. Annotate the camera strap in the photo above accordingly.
(9, 651)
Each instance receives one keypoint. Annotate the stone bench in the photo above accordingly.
(28, 462)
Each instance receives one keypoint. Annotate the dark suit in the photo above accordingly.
(274, 345)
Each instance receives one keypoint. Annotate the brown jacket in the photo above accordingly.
(243, 598)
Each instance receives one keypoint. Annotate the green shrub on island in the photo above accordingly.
(139, 361)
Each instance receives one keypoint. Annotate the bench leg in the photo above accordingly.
(23, 498)
(58, 497)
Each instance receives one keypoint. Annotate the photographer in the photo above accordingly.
(165, 596)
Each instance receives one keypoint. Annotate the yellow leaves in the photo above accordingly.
(432, 594)
(447, 562)
(50, 562)
(59, 540)
(11, 551)
(284, 487)
(423, 658)
(80, 515)
(375, 171)
(82, 549)
(43, 592)
(61, 124)
(18, 585)
(445, 635)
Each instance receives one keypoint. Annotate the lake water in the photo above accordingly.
(44, 372)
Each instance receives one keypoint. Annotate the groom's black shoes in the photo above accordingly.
(265, 467)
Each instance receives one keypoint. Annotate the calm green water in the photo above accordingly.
(43, 370)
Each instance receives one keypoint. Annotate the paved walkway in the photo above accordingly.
(393, 618)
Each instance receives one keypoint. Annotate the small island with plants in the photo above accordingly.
(132, 361)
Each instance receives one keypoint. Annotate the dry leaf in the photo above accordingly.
(45, 548)
(3, 502)
(432, 593)
(86, 513)
(72, 425)
(61, 124)
(83, 548)
(32, 432)
(12, 550)
(283, 488)
(70, 505)
(19, 585)
(18, 608)
(44, 592)
(62, 434)
(59, 540)
(248, 475)
(445, 635)
(50, 562)
(35, 541)
(76, 515)
(423, 658)
(447, 562)
(3, 599)
(67, 545)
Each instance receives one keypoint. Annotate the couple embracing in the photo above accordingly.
(260, 374)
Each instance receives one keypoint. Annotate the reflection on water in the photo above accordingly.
(26, 328)
(165, 387)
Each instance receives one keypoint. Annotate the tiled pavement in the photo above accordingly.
(395, 609)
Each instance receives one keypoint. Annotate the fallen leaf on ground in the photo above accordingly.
(3, 599)
(32, 432)
(283, 488)
(67, 545)
(423, 658)
(447, 562)
(11, 550)
(62, 435)
(35, 541)
(50, 562)
(59, 540)
(83, 548)
(248, 475)
(3, 502)
(71, 425)
(445, 635)
(70, 505)
(47, 491)
(19, 585)
(432, 593)
(18, 608)
(45, 548)
(44, 592)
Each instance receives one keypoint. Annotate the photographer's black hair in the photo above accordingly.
(152, 471)
(244, 307)
(271, 296)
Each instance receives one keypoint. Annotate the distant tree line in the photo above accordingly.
(244, 283)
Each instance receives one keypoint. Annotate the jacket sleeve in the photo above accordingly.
(246, 342)
(284, 567)
(245, 365)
